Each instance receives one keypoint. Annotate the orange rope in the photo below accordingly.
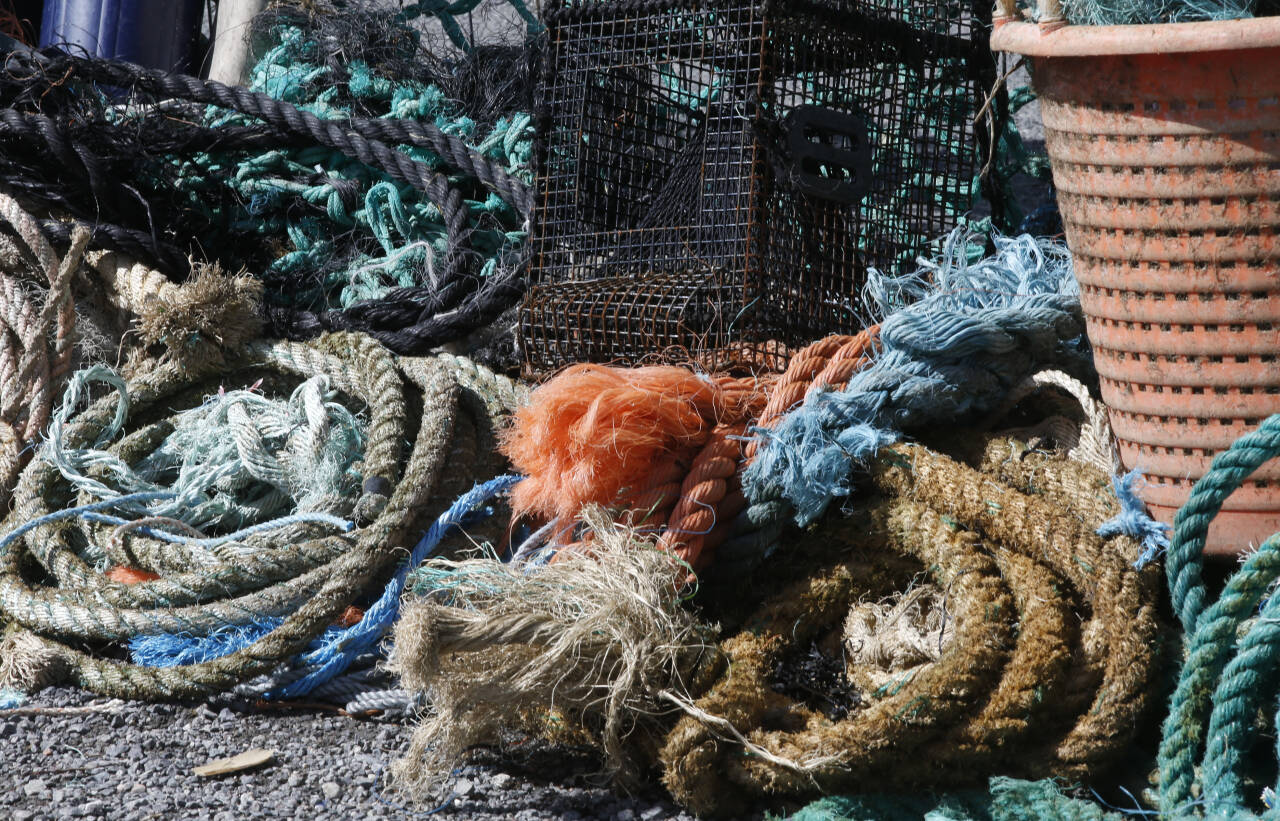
(694, 489)
(711, 495)
(704, 490)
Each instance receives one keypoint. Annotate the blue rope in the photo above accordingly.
(73, 512)
(333, 652)
(338, 653)
(1133, 520)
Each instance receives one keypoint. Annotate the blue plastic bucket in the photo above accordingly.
(153, 33)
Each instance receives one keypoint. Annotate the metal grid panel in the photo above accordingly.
(678, 136)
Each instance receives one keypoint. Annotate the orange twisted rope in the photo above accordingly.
(711, 497)
(661, 444)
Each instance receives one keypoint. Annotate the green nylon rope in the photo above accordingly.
(401, 237)
(1222, 678)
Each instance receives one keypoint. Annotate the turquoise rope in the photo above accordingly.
(1220, 683)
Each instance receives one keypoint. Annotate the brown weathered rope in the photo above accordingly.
(1062, 698)
(696, 759)
(35, 342)
(1122, 599)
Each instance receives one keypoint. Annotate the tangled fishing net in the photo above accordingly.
(369, 184)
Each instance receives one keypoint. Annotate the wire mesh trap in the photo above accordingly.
(719, 174)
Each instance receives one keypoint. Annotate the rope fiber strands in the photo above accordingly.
(971, 335)
(1050, 670)
(579, 650)
(661, 445)
(283, 582)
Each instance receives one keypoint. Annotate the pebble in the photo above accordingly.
(328, 767)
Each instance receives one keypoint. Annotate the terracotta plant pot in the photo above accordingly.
(1165, 145)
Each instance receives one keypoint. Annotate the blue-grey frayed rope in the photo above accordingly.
(92, 512)
(978, 330)
(9, 699)
(1133, 520)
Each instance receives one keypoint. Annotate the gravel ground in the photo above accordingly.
(134, 760)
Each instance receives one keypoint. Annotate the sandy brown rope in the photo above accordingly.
(36, 339)
(1123, 600)
(1063, 696)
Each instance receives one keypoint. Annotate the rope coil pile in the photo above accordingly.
(283, 587)
(1045, 700)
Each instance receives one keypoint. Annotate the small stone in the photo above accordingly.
(6, 729)
(22, 815)
(331, 790)
(226, 715)
(95, 808)
(652, 814)
(138, 787)
(500, 780)
(58, 796)
(295, 779)
(625, 815)
(34, 787)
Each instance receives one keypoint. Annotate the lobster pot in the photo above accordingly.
(764, 154)
(1165, 145)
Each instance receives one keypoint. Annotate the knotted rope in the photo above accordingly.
(661, 446)
(981, 329)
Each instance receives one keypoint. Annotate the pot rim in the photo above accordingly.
(1162, 38)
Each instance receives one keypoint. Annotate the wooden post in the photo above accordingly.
(230, 62)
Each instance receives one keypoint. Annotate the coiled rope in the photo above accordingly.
(294, 579)
(1046, 700)
(1232, 646)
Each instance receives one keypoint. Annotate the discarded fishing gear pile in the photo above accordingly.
(1050, 660)
(364, 202)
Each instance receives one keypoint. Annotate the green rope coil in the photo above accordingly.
(1221, 679)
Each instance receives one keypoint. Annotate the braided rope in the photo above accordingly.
(1214, 684)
